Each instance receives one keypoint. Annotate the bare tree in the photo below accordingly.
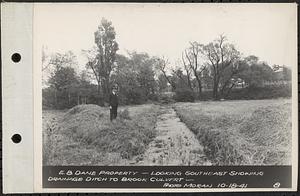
(92, 65)
(161, 65)
(188, 72)
(193, 56)
(221, 56)
(178, 72)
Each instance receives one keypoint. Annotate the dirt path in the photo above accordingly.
(175, 144)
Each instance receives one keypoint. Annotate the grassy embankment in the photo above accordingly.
(84, 135)
(241, 132)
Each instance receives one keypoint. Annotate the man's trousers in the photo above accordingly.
(113, 112)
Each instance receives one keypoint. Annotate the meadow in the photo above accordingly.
(245, 132)
(239, 132)
(84, 134)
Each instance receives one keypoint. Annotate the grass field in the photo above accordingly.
(84, 135)
(252, 132)
(245, 132)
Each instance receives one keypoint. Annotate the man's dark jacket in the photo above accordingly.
(113, 100)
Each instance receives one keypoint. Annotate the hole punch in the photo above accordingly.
(16, 57)
(16, 138)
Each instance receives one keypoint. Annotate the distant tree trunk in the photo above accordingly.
(188, 73)
(229, 90)
(69, 99)
(189, 82)
(105, 88)
(99, 98)
(192, 55)
(55, 98)
(169, 81)
(189, 79)
(215, 88)
(163, 64)
(224, 87)
(198, 80)
(199, 86)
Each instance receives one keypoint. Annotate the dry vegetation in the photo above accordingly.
(241, 132)
(84, 135)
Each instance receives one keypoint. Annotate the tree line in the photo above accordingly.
(217, 67)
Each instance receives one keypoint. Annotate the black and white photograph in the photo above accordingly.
(167, 84)
(149, 97)
(154, 86)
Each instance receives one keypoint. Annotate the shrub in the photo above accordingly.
(184, 95)
(206, 95)
(153, 97)
(133, 96)
(97, 99)
(124, 114)
(166, 98)
(267, 92)
(262, 92)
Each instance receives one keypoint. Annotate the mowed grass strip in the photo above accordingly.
(84, 135)
(254, 132)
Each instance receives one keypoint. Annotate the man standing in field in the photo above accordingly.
(113, 104)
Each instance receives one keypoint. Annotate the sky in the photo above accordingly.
(264, 30)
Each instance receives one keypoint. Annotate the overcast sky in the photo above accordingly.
(265, 30)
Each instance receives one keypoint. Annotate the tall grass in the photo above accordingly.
(241, 132)
(85, 136)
